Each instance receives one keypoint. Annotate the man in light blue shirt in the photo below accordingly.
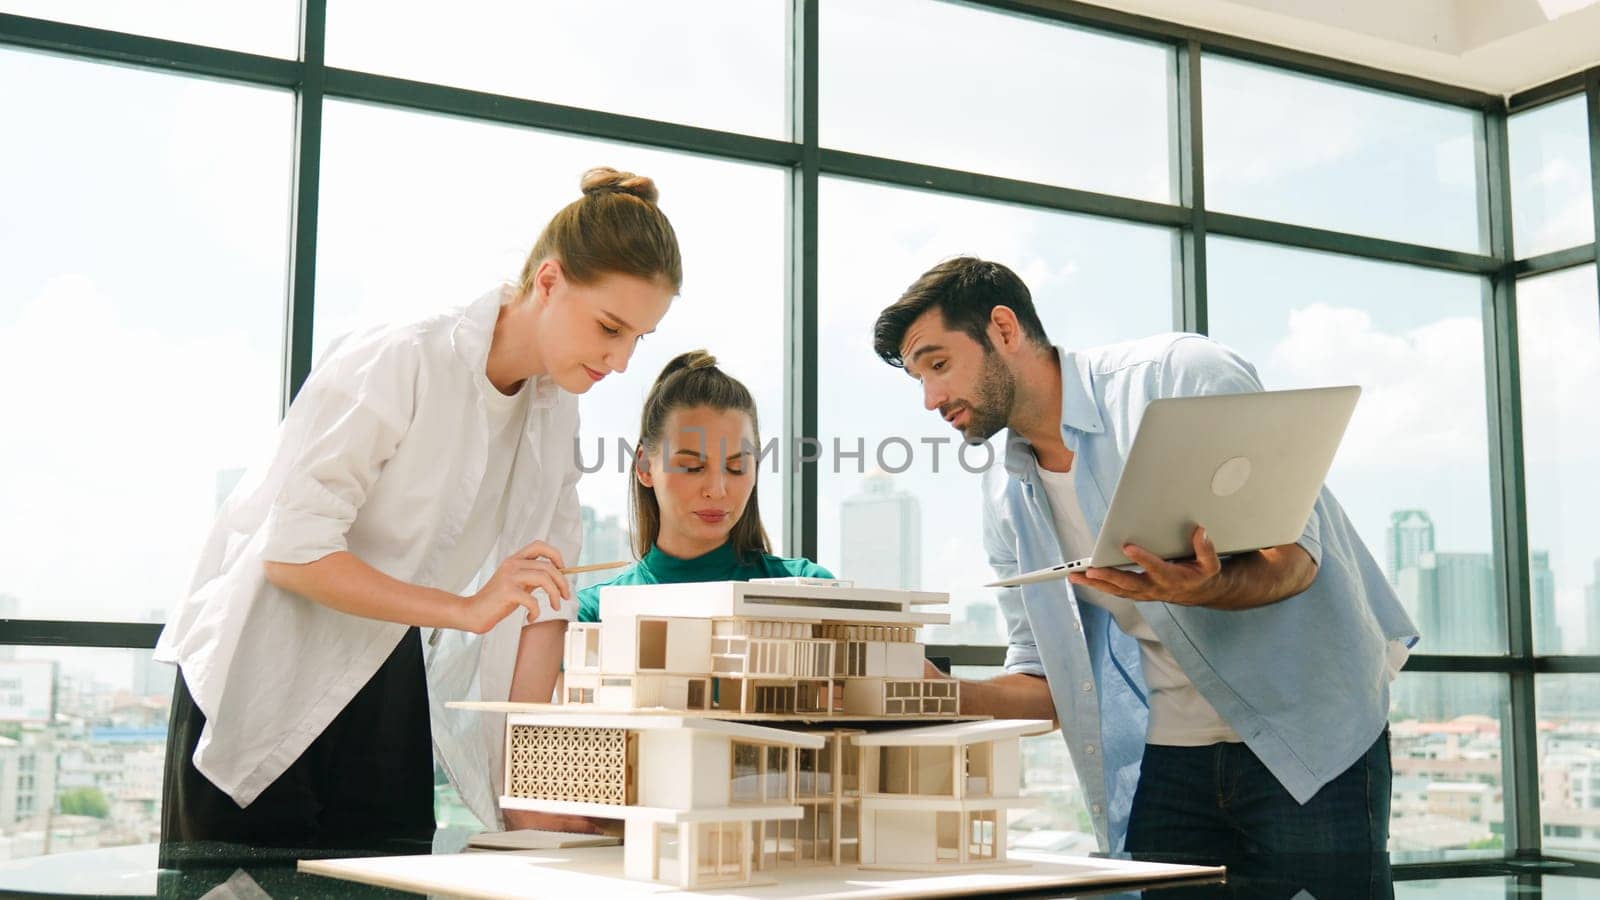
(1230, 711)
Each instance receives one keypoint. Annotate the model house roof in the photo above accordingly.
(955, 733)
(758, 600)
(638, 720)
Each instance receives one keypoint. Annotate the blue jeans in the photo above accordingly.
(1220, 805)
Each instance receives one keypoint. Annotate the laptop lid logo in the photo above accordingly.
(1230, 476)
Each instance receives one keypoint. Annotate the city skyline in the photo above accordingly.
(104, 752)
(1454, 598)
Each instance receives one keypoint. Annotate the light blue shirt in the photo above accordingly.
(1303, 681)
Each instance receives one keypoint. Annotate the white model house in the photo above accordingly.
(741, 727)
(758, 647)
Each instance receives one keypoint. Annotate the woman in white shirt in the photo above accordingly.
(414, 456)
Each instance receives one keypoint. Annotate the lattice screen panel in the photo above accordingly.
(587, 765)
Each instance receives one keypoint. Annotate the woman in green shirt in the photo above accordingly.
(695, 516)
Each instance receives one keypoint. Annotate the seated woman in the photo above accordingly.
(695, 516)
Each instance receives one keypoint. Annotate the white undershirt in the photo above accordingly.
(507, 418)
(1179, 715)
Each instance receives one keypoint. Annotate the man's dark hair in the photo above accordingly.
(965, 290)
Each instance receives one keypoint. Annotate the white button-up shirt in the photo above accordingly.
(382, 454)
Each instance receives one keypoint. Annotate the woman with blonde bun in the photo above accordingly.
(417, 457)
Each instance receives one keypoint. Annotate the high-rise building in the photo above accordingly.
(1454, 602)
(151, 678)
(27, 778)
(1454, 599)
(880, 536)
(1467, 610)
(1591, 612)
(1410, 534)
(1547, 633)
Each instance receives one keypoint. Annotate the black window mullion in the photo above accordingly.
(160, 54)
(307, 187)
(1508, 499)
(1190, 296)
(1592, 106)
(800, 475)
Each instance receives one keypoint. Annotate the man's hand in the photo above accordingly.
(518, 819)
(1194, 582)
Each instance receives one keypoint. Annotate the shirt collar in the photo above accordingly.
(1080, 414)
(670, 569)
(475, 329)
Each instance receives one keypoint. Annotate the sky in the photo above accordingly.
(144, 250)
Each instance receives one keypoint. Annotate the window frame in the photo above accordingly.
(313, 81)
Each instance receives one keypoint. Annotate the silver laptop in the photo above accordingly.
(1248, 467)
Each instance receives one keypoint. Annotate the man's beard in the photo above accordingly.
(991, 408)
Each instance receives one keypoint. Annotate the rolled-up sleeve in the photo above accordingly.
(344, 426)
(1310, 539)
(999, 542)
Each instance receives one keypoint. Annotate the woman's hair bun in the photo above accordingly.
(606, 180)
(694, 359)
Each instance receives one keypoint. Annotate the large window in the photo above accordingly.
(965, 88)
(715, 63)
(1311, 151)
(144, 228)
(1413, 469)
(1551, 201)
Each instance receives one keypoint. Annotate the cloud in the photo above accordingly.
(713, 63)
(1565, 220)
(1421, 425)
(1550, 178)
(1422, 388)
(1247, 143)
(1556, 171)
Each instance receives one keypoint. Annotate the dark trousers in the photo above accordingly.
(367, 779)
(1220, 805)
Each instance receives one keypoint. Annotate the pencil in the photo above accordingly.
(594, 567)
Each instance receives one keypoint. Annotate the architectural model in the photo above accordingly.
(738, 727)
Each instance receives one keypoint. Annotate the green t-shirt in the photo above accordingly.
(720, 564)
